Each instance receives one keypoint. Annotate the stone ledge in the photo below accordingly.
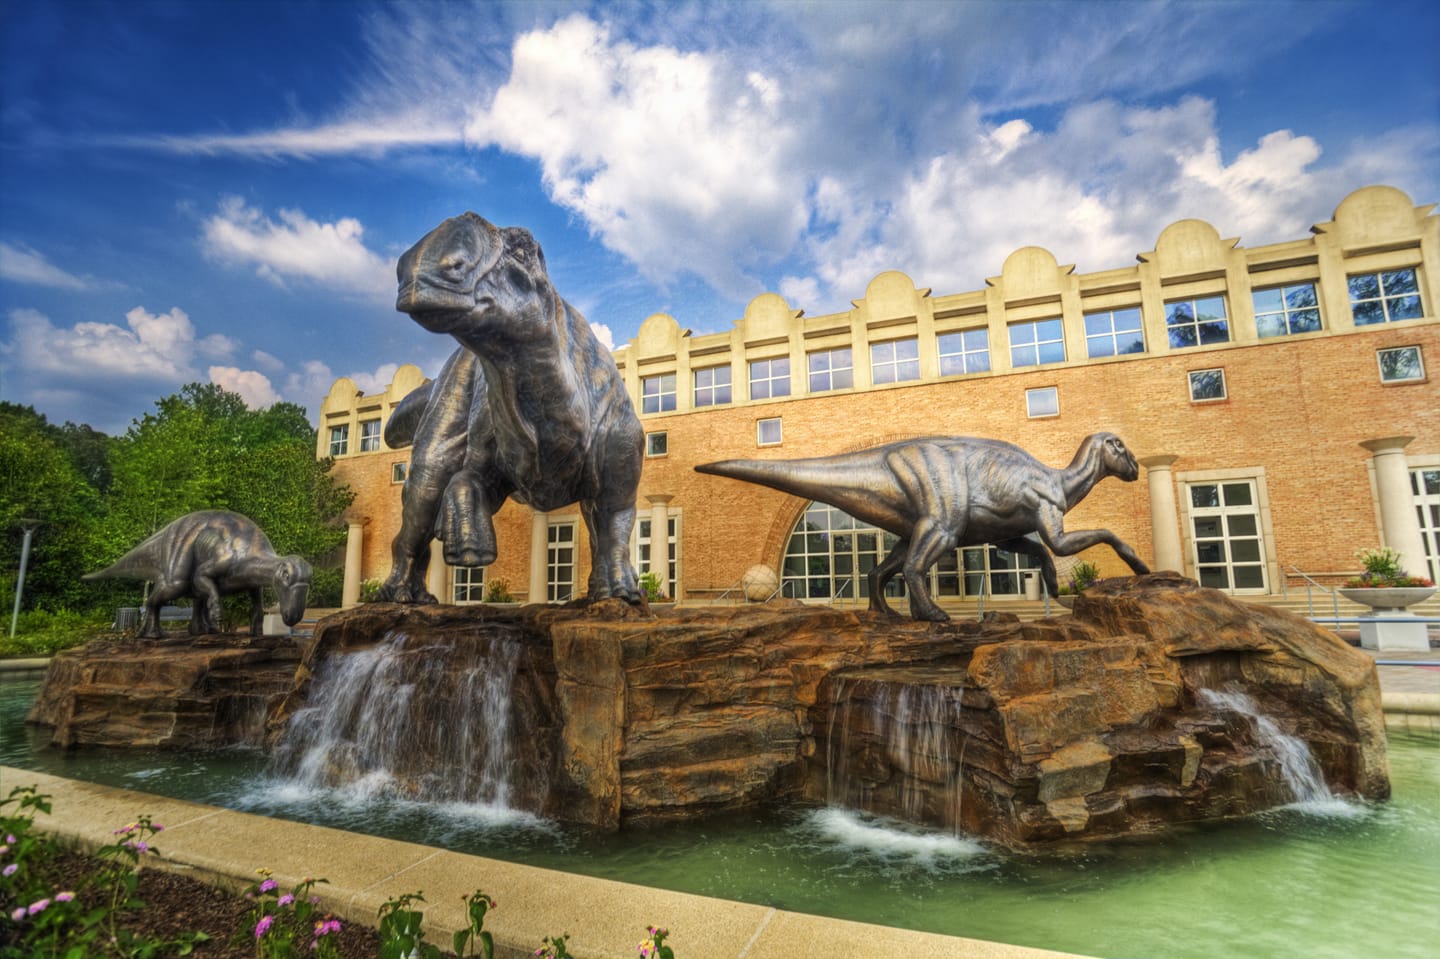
(605, 918)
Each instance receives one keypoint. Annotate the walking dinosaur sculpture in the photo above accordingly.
(938, 493)
(208, 554)
(531, 407)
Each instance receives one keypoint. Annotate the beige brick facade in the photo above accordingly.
(1296, 409)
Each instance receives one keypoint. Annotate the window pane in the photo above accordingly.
(1242, 525)
(1249, 577)
(1237, 494)
(1269, 301)
(1245, 551)
(1212, 551)
(1205, 494)
(1214, 577)
(1207, 527)
(1398, 281)
(1305, 321)
(1406, 308)
(1271, 325)
(1182, 337)
(1371, 311)
(1365, 287)
(1300, 297)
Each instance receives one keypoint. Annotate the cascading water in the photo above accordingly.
(424, 721)
(891, 750)
(1298, 768)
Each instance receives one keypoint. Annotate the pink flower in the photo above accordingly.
(38, 906)
(64, 896)
(18, 914)
(9, 870)
(327, 927)
(286, 900)
(269, 885)
(263, 926)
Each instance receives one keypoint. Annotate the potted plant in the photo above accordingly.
(1384, 585)
(1083, 575)
(651, 583)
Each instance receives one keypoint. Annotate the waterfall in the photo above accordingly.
(1298, 768)
(429, 722)
(889, 750)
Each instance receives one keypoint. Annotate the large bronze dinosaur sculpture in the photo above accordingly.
(531, 406)
(938, 493)
(206, 555)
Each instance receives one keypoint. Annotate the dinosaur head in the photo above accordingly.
(1116, 457)
(292, 587)
(466, 270)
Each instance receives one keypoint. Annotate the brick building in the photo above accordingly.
(1278, 398)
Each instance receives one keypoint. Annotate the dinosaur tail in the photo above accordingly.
(133, 565)
(400, 427)
(810, 478)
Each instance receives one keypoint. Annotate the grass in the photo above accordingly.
(44, 633)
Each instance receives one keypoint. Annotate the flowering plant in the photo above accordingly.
(554, 948)
(280, 920)
(1382, 571)
(1083, 575)
(654, 947)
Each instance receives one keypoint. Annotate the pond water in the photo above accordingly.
(1318, 880)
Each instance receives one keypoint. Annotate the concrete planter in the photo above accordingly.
(1392, 599)
(1392, 628)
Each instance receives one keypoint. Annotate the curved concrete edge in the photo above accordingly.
(28, 665)
(1413, 712)
(605, 919)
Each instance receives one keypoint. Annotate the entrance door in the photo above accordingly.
(1425, 484)
(1226, 542)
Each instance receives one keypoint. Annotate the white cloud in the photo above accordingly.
(365, 137)
(267, 362)
(331, 255)
(674, 159)
(21, 264)
(254, 387)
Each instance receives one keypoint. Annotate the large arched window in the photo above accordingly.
(830, 553)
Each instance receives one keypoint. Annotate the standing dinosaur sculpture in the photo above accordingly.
(938, 493)
(531, 407)
(206, 555)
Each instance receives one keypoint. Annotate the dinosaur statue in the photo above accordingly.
(530, 406)
(938, 493)
(206, 555)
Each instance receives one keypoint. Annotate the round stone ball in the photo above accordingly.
(759, 582)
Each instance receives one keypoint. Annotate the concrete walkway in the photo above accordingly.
(605, 919)
(1409, 688)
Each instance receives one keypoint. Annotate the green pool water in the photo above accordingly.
(1326, 880)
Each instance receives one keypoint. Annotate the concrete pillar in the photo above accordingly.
(354, 551)
(1164, 517)
(1400, 527)
(539, 556)
(659, 533)
(437, 578)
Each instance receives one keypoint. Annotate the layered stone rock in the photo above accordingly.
(191, 693)
(1080, 727)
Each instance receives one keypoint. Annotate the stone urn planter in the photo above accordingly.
(1067, 600)
(1391, 599)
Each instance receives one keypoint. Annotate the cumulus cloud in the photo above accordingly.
(21, 264)
(254, 387)
(330, 255)
(669, 156)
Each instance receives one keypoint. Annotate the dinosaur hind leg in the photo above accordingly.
(931, 542)
(879, 577)
(464, 522)
(610, 571)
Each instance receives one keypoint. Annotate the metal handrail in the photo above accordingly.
(1310, 586)
(849, 581)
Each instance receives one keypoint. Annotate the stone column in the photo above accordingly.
(354, 552)
(437, 579)
(1164, 517)
(1400, 529)
(539, 556)
(660, 534)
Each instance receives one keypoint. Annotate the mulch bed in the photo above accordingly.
(176, 904)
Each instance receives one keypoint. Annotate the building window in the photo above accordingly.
(1114, 333)
(829, 554)
(646, 560)
(712, 386)
(895, 362)
(1385, 297)
(1425, 485)
(657, 393)
(369, 436)
(965, 352)
(990, 570)
(1044, 401)
(1207, 385)
(831, 370)
(560, 562)
(1197, 322)
(770, 378)
(657, 444)
(768, 432)
(1036, 342)
(467, 585)
(1285, 310)
(340, 439)
(1227, 546)
(1401, 364)
(398, 472)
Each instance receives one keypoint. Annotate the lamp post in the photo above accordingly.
(29, 526)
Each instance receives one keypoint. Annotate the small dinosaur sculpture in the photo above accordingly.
(942, 492)
(206, 555)
(531, 407)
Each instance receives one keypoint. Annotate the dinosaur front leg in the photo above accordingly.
(207, 593)
(931, 541)
(1031, 545)
(464, 522)
(257, 612)
(162, 593)
(1052, 531)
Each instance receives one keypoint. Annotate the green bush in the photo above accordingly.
(42, 632)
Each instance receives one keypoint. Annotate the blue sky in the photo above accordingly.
(218, 191)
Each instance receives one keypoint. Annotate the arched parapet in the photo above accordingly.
(1376, 218)
(407, 378)
(659, 335)
(768, 317)
(1188, 248)
(1032, 274)
(891, 295)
